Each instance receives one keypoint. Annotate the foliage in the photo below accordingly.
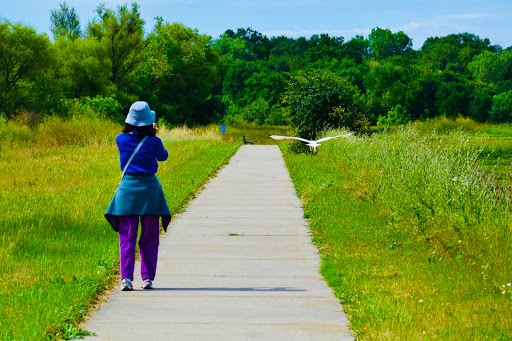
(65, 23)
(97, 108)
(121, 32)
(398, 115)
(353, 120)
(84, 67)
(178, 73)
(24, 56)
(312, 97)
(501, 110)
(384, 43)
(243, 75)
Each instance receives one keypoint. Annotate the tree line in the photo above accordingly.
(245, 76)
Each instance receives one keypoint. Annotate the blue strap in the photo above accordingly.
(133, 155)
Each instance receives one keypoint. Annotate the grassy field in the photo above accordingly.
(57, 252)
(415, 236)
(414, 224)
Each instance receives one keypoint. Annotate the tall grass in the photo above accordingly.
(57, 252)
(416, 239)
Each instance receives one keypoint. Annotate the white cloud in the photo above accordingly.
(420, 30)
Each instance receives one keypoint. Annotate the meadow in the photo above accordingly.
(413, 223)
(57, 252)
(414, 231)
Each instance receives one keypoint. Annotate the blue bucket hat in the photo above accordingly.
(140, 115)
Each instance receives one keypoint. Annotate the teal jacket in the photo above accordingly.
(139, 193)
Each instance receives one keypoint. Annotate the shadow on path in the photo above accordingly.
(230, 289)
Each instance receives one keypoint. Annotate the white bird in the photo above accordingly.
(311, 144)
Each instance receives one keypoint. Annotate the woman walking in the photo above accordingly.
(140, 196)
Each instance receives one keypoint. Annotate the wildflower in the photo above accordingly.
(509, 284)
(460, 241)
(503, 293)
(455, 178)
(421, 300)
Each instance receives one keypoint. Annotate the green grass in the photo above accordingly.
(415, 239)
(57, 251)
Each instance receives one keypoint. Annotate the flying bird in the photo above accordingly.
(311, 144)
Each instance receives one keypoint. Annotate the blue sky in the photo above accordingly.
(418, 19)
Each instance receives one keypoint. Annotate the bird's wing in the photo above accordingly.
(333, 137)
(275, 137)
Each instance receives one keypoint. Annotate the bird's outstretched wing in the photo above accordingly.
(276, 137)
(333, 137)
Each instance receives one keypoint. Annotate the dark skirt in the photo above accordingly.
(138, 195)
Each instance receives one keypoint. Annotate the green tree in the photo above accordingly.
(179, 72)
(121, 32)
(25, 60)
(420, 96)
(311, 98)
(258, 46)
(388, 81)
(384, 43)
(65, 23)
(324, 47)
(84, 67)
(397, 115)
(453, 98)
(493, 68)
(501, 110)
(357, 48)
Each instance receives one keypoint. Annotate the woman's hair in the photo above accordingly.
(140, 132)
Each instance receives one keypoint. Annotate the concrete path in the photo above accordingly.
(238, 265)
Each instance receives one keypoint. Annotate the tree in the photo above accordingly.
(257, 44)
(121, 32)
(388, 80)
(324, 47)
(25, 57)
(384, 43)
(493, 68)
(179, 72)
(312, 97)
(84, 67)
(501, 110)
(453, 98)
(65, 23)
(357, 48)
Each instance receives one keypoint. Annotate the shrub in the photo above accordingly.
(501, 110)
(398, 115)
(312, 96)
(98, 107)
(352, 120)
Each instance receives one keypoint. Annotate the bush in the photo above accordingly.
(398, 115)
(501, 110)
(352, 120)
(98, 107)
(14, 132)
(312, 96)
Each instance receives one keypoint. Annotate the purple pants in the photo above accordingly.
(148, 245)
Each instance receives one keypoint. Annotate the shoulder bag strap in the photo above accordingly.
(133, 155)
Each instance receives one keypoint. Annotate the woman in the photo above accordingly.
(139, 196)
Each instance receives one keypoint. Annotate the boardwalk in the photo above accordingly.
(237, 265)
